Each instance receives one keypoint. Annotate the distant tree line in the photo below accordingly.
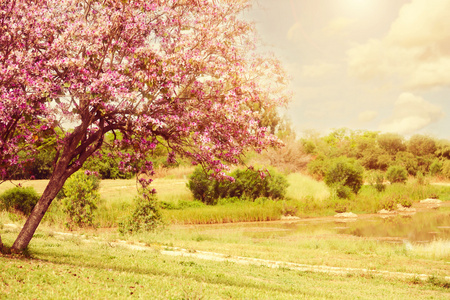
(379, 151)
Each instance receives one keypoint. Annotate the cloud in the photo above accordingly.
(367, 116)
(411, 113)
(416, 50)
(318, 70)
(338, 26)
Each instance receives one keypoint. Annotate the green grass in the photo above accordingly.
(91, 267)
(230, 213)
(302, 186)
(305, 197)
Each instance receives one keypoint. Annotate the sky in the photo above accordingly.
(381, 65)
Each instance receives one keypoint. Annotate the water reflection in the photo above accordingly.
(420, 227)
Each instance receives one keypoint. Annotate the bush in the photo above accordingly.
(435, 167)
(247, 184)
(202, 187)
(408, 161)
(396, 174)
(342, 191)
(376, 179)
(446, 169)
(421, 179)
(145, 218)
(344, 172)
(21, 199)
(388, 203)
(80, 196)
(318, 167)
(106, 166)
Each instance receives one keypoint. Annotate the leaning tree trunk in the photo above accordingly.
(54, 186)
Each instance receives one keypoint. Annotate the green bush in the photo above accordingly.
(202, 187)
(388, 203)
(318, 167)
(435, 167)
(376, 179)
(344, 172)
(145, 218)
(446, 169)
(397, 174)
(342, 191)
(408, 161)
(79, 198)
(421, 179)
(21, 199)
(106, 166)
(247, 184)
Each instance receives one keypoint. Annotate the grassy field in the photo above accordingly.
(90, 263)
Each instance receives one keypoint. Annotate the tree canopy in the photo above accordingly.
(184, 74)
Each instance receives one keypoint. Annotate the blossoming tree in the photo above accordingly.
(181, 73)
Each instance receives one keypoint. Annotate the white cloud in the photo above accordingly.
(367, 116)
(411, 113)
(416, 50)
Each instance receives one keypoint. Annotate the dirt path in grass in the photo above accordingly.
(219, 257)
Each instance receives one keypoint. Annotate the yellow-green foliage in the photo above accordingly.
(245, 211)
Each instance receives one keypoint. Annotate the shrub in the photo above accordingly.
(318, 167)
(408, 161)
(421, 179)
(376, 179)
(21, 199)
(247, 184)
(342, 191)
(397, 174)
(341, 206)
(345, 172)
(145, 218)
(446, 169)
(289, 209)
(405, 201)
(202, 187)
(435, 167)
(388, 203)
(80, 196)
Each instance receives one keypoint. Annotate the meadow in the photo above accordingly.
(305, 197)
(101, 263)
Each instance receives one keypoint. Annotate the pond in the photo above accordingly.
(420, 227)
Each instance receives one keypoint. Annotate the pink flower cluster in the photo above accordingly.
(183, 74)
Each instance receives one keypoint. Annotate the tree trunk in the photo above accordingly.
(1, 244)
(54, 186)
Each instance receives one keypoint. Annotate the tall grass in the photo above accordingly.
(439, 249)
(301, 186)
(230, 213)
(369, 200)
